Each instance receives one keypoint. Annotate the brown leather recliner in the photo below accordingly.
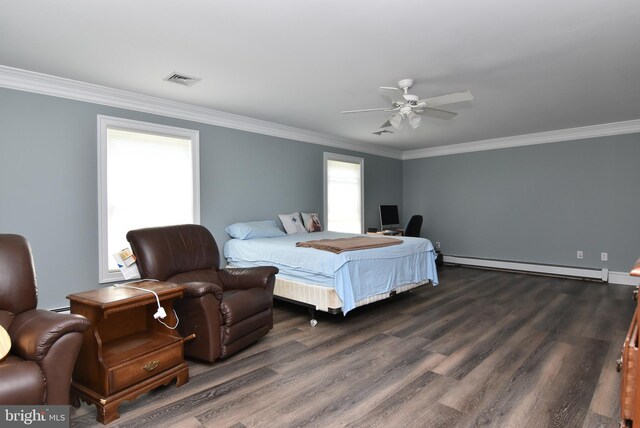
(227, 309)
(44, 344)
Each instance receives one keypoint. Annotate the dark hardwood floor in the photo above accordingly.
(483, 348)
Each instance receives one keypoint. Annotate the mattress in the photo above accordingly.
(355, 276)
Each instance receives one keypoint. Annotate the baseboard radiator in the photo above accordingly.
(601, 275)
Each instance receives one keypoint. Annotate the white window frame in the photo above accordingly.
(107, 122)
(349, 159)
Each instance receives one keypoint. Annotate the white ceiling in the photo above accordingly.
(532, 65)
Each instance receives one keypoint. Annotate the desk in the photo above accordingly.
(126, 352)
(393, 232)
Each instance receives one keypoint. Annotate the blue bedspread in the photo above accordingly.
(355, 275)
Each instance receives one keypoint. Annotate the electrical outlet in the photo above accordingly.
(437, 245)
(604, 256)
(580, 254)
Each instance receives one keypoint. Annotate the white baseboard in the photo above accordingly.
(623, 278)
(594, 274)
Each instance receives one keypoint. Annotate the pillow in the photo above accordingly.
(254, 229)
(311, 222)
(292, 223)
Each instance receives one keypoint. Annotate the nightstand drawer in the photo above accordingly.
(145, 366)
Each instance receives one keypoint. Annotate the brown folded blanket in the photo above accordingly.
(349, 244)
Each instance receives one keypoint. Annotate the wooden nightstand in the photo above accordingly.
(126, 352)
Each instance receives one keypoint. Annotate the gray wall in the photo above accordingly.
(537, 203)
(48, 182)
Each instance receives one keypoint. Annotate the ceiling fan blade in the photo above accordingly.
(455, 97)
(387, 124)
(437, 113)
(368, 109)
(396, 120)
(394, 94)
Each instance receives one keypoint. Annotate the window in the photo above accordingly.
(148, 175)
(343, 193)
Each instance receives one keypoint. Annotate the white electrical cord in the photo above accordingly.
(161, 313)
(175, 326)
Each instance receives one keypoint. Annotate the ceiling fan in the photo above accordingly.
(411, 107)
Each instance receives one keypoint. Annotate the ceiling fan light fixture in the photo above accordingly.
(396, 120)
(410, 106)
(414, 120)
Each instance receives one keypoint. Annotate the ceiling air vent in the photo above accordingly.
(182, 79)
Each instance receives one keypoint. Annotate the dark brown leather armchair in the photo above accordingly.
(227, 309)
(44, 344)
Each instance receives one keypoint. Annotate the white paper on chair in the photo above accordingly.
(127, 263)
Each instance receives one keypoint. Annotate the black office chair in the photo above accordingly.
(414, 226)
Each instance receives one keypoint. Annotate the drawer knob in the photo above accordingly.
(151, 365)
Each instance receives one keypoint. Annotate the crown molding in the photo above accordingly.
(602, 130)
(29, 81)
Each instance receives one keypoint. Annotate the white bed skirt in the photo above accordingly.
(325, 298)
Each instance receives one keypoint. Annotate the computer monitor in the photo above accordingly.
(389, 217)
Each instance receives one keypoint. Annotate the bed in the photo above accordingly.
(337, 283)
